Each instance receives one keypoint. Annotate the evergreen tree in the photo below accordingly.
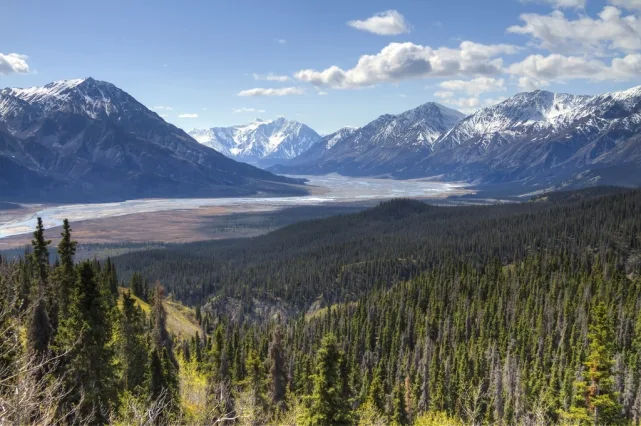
(596, 401)
(65, 274)
(131, 345)
(40, 258)
(86, 335)
(326, 406)
(40, 331)
(400, 416)
(277, 373)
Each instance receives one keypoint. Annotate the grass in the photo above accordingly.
(181, 320)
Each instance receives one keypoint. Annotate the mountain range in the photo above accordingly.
(262, 142)
(531, 140)
(87, 140)
(379, 147)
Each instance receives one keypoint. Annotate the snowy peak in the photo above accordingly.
(259, 139)
(522, 114)
(420, 126)
(89, 97)
(331, 140)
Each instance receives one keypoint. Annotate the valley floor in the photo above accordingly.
(185, 220)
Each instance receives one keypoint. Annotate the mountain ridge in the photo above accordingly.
(387, 140)
(529, 140)
(259, 141)
(87, 140)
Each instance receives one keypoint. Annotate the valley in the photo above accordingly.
(185, 219)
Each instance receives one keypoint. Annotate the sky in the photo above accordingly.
(328, 64)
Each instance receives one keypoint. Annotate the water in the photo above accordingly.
(335, 189)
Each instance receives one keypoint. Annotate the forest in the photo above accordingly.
(403, 314)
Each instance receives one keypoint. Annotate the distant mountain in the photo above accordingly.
(385, 145)
(87, 140)
(542, 138)
(260, 141)
(534, 140)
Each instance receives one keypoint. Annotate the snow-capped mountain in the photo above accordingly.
(87, 140)
(260, 140)
(544, 138)
(384, 145)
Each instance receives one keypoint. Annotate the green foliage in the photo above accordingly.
(85, 335)
(596, 400)
(327, 405)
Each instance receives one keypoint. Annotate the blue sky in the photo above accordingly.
(208, 60)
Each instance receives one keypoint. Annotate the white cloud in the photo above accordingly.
(444, 94)
(271, 77)
(285, 91)
(537, 70)
(162, 108)
(468, 105)
(627, 4)
(239, 110)
(610, 32)
(403, 61)
(188, 116)
(164, 115)
(281, 41)
(385, 23)
(13, 63)
(476, 86)
(322, 93)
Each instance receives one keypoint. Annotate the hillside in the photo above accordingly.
(378, 247)
(181, 320)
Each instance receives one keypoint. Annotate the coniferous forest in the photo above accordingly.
(404, 314)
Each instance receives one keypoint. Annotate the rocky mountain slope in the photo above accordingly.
(87, 140)
(537, 139)
(261, 141)
(542, 138)
(384, 145)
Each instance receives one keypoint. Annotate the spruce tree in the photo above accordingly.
(596, 401)
(40, 258)
(277, 373)
(400, 416)
(131, 345)
(326, 406)
(40, 331)
(86, 334)
(65, 274)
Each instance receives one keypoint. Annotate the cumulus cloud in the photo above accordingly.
(612, 31)
(13, 63)
(467, 105)
(627, 4)
(385, 23)
(270, 77)
(322, 93)
(537, 70)
(444, 94)
(285, 91)
(164, 115)
(239, 110)
(475, 86)
(188, 116)
(403, 61)
(162, 108)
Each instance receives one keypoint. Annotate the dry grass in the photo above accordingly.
(181, 320)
